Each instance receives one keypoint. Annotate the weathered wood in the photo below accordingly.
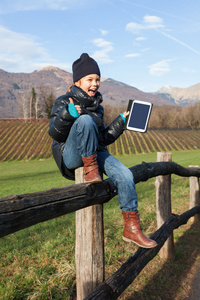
(194, 195)
(114, 286)
(163, 205)
(21, 211)
(89, 252)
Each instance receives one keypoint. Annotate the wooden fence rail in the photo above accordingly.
(21, 211)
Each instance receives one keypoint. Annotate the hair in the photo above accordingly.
(70, 88)
(71, 85)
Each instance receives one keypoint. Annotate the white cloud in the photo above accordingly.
(160, 68)
(134, 27)
(104, 32)
(133, 55)
(7, 6)
(16, 43)
(140, 38)
(156, 23)
(22, 52)
(102, 55)
(153, 22)
(103, 44)
(148, 22)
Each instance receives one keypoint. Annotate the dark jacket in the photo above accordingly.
(61, 123)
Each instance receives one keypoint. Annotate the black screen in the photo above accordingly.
(139, 116)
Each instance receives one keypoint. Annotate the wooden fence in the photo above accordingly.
(21, 211)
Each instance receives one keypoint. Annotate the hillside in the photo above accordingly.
(25, 141)
(16, 87)
(180, 96)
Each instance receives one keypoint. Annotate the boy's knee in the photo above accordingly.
(127, 175)
(86, 120)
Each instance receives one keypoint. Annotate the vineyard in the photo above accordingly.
(20, 140)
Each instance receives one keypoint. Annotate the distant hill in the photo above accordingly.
(15, 86)
(180, 96)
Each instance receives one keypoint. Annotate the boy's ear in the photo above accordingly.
(78, 83)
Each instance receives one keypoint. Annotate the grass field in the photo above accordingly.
(38, 262)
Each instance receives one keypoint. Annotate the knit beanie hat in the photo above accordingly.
(84, 66)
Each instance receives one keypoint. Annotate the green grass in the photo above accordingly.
(38, 262)
(19, 177)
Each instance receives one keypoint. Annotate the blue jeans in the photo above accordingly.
(83, 142)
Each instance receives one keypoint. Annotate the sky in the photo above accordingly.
(147, 44)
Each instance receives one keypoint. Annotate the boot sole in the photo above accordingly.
(131, 241)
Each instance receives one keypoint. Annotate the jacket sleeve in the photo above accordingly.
(61, 121)
(112, 132)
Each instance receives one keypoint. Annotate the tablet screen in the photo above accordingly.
(139, 115)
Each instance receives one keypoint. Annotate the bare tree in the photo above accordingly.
(36, 108)
(47, 99)
(23, 106)
(175, 117)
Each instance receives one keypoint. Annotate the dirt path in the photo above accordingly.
(195, 288)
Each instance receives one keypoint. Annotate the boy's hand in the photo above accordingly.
(78, 108)
(125, 114)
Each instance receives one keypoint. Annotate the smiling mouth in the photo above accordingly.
(92, 93)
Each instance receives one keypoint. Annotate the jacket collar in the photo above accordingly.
(90, 103)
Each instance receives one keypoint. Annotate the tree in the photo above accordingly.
(32, 103)
(47, 99)
(49, 104)
(24, 107)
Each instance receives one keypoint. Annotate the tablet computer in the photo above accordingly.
(138, 117)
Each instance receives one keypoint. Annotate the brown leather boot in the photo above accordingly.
(132, 230)
(91, 170)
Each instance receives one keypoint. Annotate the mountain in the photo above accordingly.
(15, 89)
(180, 96)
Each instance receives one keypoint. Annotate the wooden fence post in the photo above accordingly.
(89, 252)
(163, 205)
(194, 195)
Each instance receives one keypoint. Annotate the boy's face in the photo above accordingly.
(89, 84)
